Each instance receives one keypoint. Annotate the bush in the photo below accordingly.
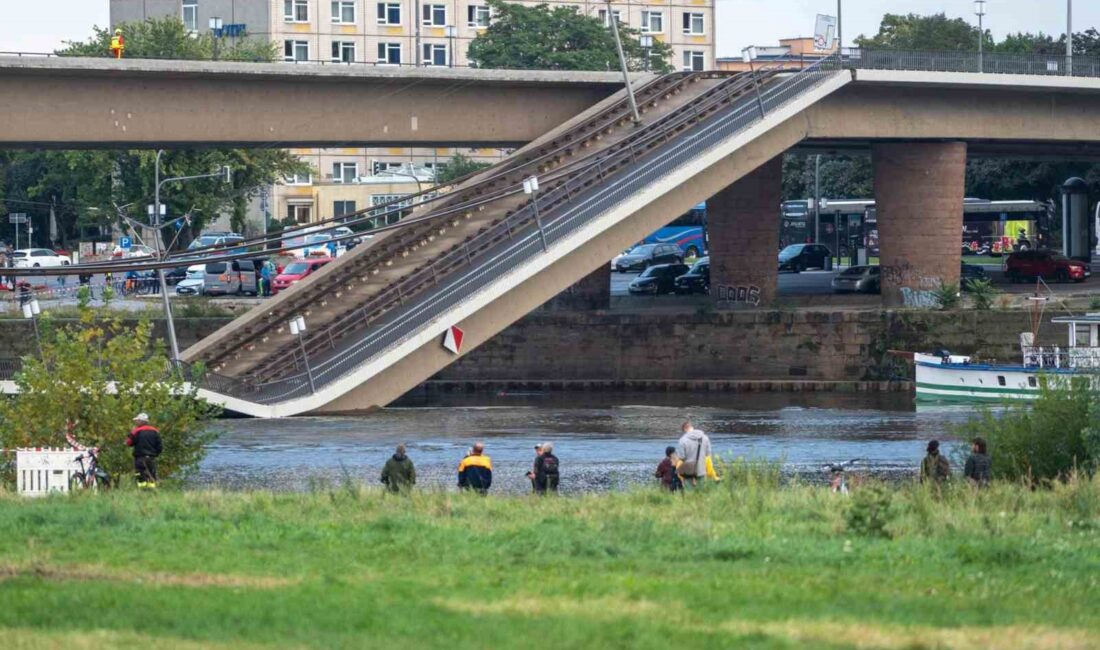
(870, 511)
(947, 295)
(1046, 440)
(983, 293)
(94, 377)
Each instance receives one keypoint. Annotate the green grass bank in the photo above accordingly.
(747, 564)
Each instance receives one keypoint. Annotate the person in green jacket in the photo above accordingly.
(399, 475)
(934, 468)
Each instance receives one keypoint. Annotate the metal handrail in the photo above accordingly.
(986, 63)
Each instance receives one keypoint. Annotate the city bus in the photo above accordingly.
(688, 231)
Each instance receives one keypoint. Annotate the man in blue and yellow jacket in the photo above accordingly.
(475, 472)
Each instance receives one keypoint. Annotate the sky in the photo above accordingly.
(39, 26)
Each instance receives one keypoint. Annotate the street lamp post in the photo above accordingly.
(817, 197)
(225, 173)
(622, 63)
(839, 33)
(1069, 38)
(450, 31)
(31, 310)
(531, 188)
(747, 55)
(298, 329)
(979, 11)
(646, 41)
(216, 32)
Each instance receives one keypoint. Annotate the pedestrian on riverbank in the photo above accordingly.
(475, 472)
(978, 464)
(666, 471)
(399, 474)
(145, 439)
(934, 469)
(694, 451)
(547, 471)
(534, 464)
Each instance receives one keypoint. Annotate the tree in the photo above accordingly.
(841, 177)
(457, 167)
(562, 38)
(935, 33)
(116, 370)
(167, 38)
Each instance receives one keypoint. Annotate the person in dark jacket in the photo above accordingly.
(145, 439)
(399, 474)
(666, 471)
(531, 472)
(978, 464)
(934, 468)
(475, 472)
(547, 473)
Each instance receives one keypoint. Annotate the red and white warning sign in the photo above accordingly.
(452, 340)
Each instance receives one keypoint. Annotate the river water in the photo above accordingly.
(604, 441)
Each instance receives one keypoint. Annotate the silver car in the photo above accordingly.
(858, 279)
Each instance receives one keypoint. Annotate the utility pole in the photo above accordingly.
(416, 24)
(839, 33)
(622, 62)
(817, 197)
(979, 11)
(1069, 38)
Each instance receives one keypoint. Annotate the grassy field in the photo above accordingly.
(746, 565)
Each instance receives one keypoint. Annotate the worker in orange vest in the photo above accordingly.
(118, 44)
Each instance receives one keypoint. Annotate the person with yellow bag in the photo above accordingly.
(118, 44)
(696, 463)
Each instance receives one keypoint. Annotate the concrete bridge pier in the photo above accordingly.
(918, 200)
(743, 226)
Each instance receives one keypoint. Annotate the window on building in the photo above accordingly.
(694, 60)
(602, 13)
(341, 208)
(653, 22)
(389, 53)
(295, 51)
(296, 11)
(191, 15)
(343, 52)
(435, 54)
(343, 12)
(693, 23)
(378, 167)
(298, 213)
(389, 13)
(298, 179)
(345, 172)
(433, 15)
(477, 16)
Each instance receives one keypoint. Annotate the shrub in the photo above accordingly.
(947, 295)
(870, 511)
(983, 293)
(1047, 439)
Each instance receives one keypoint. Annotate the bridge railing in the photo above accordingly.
(987, 63)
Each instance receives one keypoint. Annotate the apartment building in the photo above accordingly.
(400, 32)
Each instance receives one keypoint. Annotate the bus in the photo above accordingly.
(688, 231)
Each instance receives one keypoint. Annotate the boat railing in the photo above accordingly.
(1058, 357)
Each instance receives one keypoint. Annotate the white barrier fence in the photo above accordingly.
(45, 470)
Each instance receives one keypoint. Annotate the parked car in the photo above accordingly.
(135, 250)
(217, 239)
(176, 275)
(319, 244)
(858, 279)
(969, 272)
(27, 258)
(192, 283)
(297, 270)
(644, 256)
(658, 279)
(696, 280)
(799, 257)
(1049, 265)
(344, 231)
(236, 277)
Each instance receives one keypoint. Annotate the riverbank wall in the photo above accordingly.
(700, 350)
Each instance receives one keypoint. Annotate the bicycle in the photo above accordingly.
(91, 477)
(838, 481)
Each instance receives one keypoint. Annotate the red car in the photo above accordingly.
(297, 270)
(1048, 265)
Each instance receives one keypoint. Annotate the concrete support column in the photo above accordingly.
(919, 206)
(743, 230)
(592, 292)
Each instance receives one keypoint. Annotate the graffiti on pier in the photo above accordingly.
(749, 295)
(905, 273)
(919, 298)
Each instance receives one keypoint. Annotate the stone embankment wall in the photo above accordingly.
(681, 348)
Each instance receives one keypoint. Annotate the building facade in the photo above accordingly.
(790, 54)
(399, 32)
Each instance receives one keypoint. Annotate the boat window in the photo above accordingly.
(1001, 380)
(1031, 382)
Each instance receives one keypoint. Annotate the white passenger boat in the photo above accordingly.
(951, 377)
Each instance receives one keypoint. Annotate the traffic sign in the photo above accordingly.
(124, 242)
(17, 217)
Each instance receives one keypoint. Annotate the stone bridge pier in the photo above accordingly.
(743, 227)
(918, 201)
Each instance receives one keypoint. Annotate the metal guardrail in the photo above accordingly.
(987, 63)
(582, 205)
